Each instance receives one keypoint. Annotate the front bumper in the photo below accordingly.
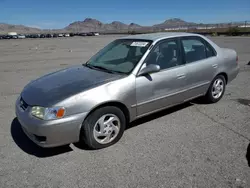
(50, 133)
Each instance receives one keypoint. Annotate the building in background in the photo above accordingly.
(12, 33)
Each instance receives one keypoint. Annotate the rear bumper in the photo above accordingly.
(50, 133)
(233, 73)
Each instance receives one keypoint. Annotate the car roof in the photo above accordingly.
(159, 36)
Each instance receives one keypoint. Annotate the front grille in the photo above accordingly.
(23, 104)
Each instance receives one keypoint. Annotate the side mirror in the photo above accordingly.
(149, 69)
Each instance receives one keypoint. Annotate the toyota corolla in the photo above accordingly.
(131, 77)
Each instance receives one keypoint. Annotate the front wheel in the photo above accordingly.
(216, 89)
(103, 127)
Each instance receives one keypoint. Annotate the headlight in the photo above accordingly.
(48, 113)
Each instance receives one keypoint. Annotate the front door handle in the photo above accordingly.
(215, 65)
(181, 76)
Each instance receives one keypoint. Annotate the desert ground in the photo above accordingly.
(191, 145)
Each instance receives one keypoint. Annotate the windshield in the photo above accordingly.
(121, 55)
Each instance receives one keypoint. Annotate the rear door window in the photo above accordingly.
(194, 49)
(210, 50)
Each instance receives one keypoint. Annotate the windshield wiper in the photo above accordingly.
(103, 68)
(87, 65)
(100, 68)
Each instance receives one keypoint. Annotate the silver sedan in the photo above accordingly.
(130, 78)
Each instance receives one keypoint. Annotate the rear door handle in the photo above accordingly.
(181, 76)
(215, 65)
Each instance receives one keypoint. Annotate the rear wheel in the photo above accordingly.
(103, 127)
(216, 89)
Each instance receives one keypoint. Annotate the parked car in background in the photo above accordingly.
(42, 36)
(90, 34)
(13, 36)
(131, 77)
(27, 35)
(60, 35)
(6, 37)
(49, 35)
(82, 34)
(55, 35)
(34, 36)
(66, 35)
(21, 36)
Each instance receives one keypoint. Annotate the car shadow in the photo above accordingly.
(157, 115)
(245, 102)
(82, 146)
(248, 154)
(25, 144)
(199, 100)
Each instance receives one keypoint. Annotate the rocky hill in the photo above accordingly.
(4, 28)
(174, 22)
(90, 24)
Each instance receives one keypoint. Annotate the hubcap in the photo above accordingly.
(218, 88)
(106, 128)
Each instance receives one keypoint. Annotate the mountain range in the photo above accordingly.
(93, 25)
(17, 28)
(90, 24)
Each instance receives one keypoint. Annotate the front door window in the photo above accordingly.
(166, 54)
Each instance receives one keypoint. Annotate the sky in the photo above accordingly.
(48, 14)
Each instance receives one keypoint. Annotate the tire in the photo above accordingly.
(95, 123)
(210, 97)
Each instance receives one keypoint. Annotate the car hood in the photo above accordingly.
(55, 87)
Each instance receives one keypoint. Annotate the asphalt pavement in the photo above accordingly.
(191, 145)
